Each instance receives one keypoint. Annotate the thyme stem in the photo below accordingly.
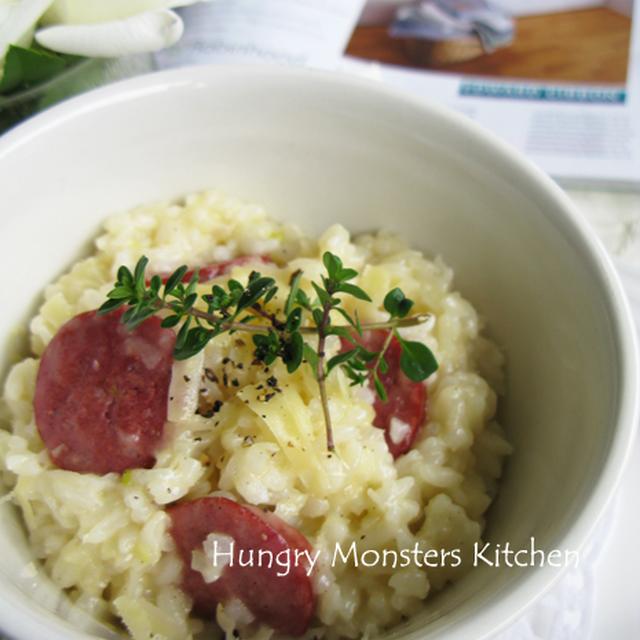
(321, 375)
(276, 335)
(411, 321)
(380, 355)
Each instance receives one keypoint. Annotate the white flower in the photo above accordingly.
(92, 28)
(18, 19)
(91, 11)
(148, 31)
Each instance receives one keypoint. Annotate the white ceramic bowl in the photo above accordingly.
(319, 149)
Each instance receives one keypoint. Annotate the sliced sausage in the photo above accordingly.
(101, 393)
(405, 410)
(285, 603)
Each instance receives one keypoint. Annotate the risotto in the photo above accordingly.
(363, 519)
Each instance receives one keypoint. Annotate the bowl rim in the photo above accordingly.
(24, 621)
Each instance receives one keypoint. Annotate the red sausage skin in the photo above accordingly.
(285, 603)
(101, 393)
(407, 400)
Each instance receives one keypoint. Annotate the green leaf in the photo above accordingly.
(417, 361)
(125, 277)
(267, 346)
(175, 279)
(141, 265)
(217, 299)
(128, 315)
(332, 264)
(359, 364)
(384, 365)
(311, 356)
(318, 316)
(293, 320)
(190, 300)
(110, 305)
(323, 296)
(365, 354)
(154, 285)
(270, 294)
(353, 290)
(347, 274)
(27, 67)
(170, 321)
(294, 288)
(341, 358)
(293, 352)
(254, 291)
(139, 315)
(196, 340)
(348, 318)
(358, 325)
(193, 283)
(181, 338)
(120, 293)
(355, 377)
(303, 299)
(380, 390)
(397, 304)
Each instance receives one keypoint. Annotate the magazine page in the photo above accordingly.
(303, 32)
(558, 79)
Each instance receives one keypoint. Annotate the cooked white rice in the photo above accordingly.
(104, 539)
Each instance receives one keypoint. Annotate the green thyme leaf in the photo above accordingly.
(270, 294)
(110, 305)
(181, 338)
(397, 304)
(318, 315)
(275, 334)
(416, 360)
(170, 321)
(193, 283)
(190, 300)
(347, 274)
(323, 296)
(257, 288)
(354, 291)
(303, 300)
(154, 285)
(293, 320)
(175, 279)
(311, 356)
(120, 293)
(125, 277)
(267, 346)
(293, 352)
(141, 265)
(195, 341)
(380, 390)
(332, 264)
(348, 318)
(294, 288)
(339, 359)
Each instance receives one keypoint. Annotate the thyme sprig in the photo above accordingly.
(276, 334)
